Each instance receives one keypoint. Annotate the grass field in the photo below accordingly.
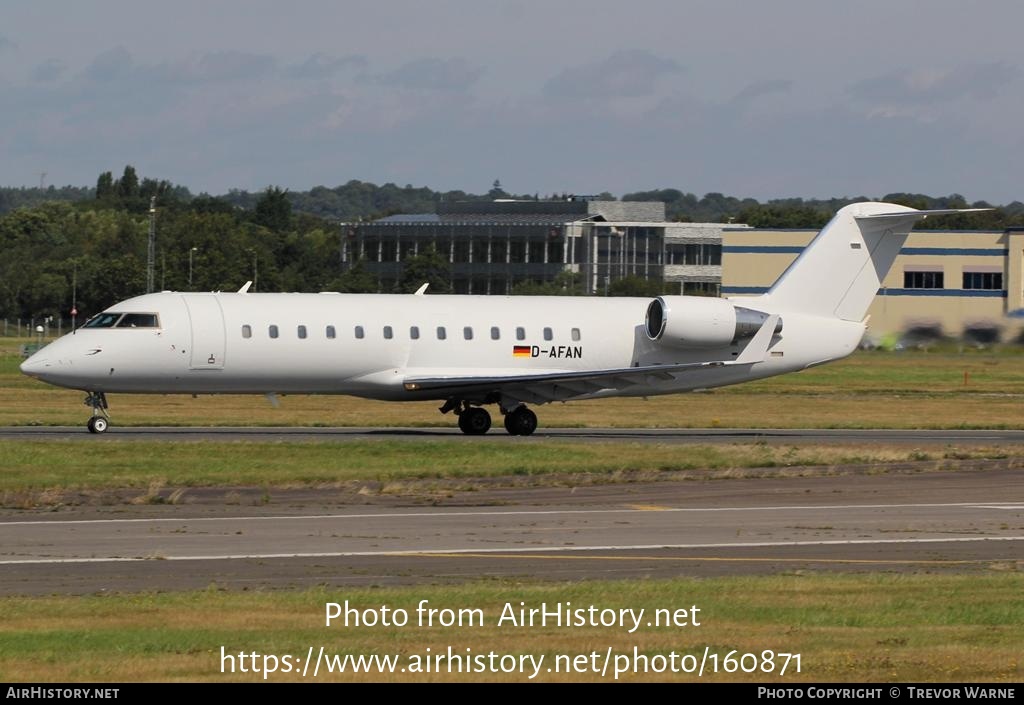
(36, 466)
(863, 628)
(871, 389)
(859, 628)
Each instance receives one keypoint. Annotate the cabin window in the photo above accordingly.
(495, 333)
(520, 334)
(138, 320)
(414, 332)
(547, 334)
(388, 333)
(302, 332)
(467, 333)
(103, 320)
(575, 334)
(330, 333)
(246, 331)
(441, 333)
(359, 332)
(273, 331)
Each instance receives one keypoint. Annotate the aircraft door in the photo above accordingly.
(208, 337)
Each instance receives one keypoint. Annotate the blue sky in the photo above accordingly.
(769, 100)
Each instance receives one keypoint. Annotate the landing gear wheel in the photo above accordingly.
(475, 421)
(521, 422)
(100, 419)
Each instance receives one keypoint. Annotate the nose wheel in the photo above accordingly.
(100, 420)
(97, 424)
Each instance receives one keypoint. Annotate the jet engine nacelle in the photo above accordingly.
(701, 322)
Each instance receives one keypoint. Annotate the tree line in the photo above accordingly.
(88, 246)
(361, 200)
(92, 252)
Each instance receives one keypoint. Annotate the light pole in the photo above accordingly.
(191, 250)
(255, 270)
(151, 250)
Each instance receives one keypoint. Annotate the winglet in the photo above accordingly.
(245, 288)
(422, 289)
(758, 345)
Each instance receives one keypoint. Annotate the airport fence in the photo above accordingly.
(29, 327)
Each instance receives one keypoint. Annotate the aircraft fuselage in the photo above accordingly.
(368, 344)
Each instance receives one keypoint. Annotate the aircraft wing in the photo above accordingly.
(541, 387)
(555, 386)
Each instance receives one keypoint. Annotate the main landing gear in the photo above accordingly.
(520, 421)
(100, 420)
(476, 421)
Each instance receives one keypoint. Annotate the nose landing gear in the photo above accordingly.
(100, 420)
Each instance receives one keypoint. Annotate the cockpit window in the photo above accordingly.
(138, 320)
(102, 320)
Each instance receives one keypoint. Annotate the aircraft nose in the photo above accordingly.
(34, 366)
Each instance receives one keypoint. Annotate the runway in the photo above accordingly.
(912, 437)
(962, 521)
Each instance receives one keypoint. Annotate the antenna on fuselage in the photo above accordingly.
(245, 287)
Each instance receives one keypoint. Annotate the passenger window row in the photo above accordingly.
(414, 332)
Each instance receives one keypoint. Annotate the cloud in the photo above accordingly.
(446, 75)
(757, 89)
(118, 66)
(623, 74)
(223, 66)
(109, 65)
(6, 43)
(320, 65)
(932, 86)
(49, 70)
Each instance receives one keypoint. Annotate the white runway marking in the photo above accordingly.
(516, 512)
(554, 549)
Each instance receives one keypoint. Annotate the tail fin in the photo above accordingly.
(841, 270)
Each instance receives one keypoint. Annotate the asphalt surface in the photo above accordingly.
(702, 435)
(968, 520)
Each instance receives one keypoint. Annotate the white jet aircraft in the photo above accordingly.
(471, 351)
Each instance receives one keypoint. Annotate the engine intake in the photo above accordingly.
(701, 322)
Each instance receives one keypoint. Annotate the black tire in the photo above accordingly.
(97, 424)
(521, 422)
(475, 421)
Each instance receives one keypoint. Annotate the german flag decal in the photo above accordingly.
(520, 351)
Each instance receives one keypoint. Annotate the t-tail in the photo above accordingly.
(839, 273)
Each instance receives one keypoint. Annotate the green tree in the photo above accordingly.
(128, 184)
(497, 191)
(633, 285)
(564, 284)
(274, 210)
(105, 186)
(355, 280)
(428, 267)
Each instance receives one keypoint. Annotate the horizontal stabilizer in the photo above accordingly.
(839, 273)
(920, 214)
